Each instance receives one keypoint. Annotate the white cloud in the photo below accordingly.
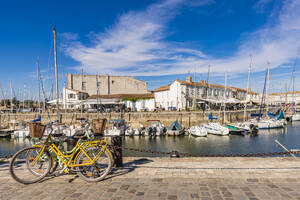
(136, 44)
(260, 5)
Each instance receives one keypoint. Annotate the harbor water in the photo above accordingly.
(210, 145)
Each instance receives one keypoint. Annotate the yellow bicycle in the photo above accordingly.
(92, 161)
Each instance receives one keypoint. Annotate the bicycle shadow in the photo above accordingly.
(127, 167)
(4, 165)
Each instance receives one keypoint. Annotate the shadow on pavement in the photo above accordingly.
(127, 167)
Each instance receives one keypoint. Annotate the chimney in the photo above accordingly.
(189, 79)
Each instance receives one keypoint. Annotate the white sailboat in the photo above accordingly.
(267, 123)
(216, 129)
(198, 131)
(295, 115)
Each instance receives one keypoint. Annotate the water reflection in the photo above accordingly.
(212, 144)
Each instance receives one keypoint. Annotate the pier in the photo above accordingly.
(187, 119)
(171, 178)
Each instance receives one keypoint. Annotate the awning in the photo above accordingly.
(102, 101)
(227, 101)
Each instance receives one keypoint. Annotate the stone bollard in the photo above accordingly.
(117, 147)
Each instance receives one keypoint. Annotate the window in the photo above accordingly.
(112, 82)
(71, 96)
(198, 91)
(187, 92)
(190, 103)
(98, 84)
(83, 86)
(192, 92)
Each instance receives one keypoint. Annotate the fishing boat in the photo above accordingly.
(247, 127)
(160, 128)
(175, 129)
(132, 132)
(216, 129)
(296, 116)
(236, 130)
(117, 127)
(198, 131)
(21, 133)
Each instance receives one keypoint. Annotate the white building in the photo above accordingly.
(134, 102)
(188, 94)
(73, 98)
(286, 97)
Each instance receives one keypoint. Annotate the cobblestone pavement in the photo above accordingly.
(166, 178)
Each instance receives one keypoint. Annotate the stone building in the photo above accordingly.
(107, 84)
(188, 94)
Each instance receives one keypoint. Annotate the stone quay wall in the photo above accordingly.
(187, 119)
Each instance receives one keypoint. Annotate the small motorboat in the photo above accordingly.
(22, 133)
(296, 116)
(159, 127)
(198, 131)
(132, 132)
(117, 127)
(216, 129)
(175, 129)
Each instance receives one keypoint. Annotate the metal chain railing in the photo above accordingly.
(191, 154)
(212, 155)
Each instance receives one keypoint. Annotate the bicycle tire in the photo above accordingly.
(106, 166)
(27, 151)
(52, 169)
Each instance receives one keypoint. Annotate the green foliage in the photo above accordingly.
(134, 99)
(5, 102)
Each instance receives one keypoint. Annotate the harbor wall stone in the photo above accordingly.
(134, 118)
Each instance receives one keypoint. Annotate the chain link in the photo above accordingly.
(213, 155)
(113, 148)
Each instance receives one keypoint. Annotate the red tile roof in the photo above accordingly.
(162, 88)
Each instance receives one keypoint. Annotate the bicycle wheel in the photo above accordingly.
(38, 172)
(23, 169)
(54, 160)
(98, 170)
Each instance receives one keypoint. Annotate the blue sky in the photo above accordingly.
(155, 41)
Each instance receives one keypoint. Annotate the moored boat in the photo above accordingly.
(175, 129)
(216, 129)
(198, 131)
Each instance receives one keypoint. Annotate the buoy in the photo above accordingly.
(174, 154)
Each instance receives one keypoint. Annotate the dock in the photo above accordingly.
(170, 179)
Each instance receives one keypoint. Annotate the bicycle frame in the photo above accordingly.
(68, 159)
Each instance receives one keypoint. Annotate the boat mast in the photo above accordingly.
(38, 79)
(268, 85)
(56, 75)
(11, 98)
(207, 88)
(97, 96)
(81, 93)
(24, 96)
(195, 88)
(293, 79)
(3, 96)
(224, 118)
(263, 96)
(248, 88)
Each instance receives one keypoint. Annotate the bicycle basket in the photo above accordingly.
(36, 129)
(98, 126)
